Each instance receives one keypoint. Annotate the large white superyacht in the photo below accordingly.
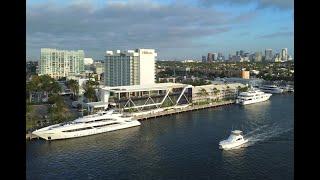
(271, 89)
(252, 96)
(103, 121)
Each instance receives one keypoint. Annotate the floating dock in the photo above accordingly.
(180, 110)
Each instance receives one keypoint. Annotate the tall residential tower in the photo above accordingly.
(132, 67)
(284, 54)
(60, 63)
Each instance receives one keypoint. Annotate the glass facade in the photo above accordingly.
(122, 70)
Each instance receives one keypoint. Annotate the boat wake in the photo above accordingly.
(264, 134)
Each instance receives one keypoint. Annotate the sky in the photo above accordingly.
(178, 30)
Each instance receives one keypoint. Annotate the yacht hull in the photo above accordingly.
(49, 135)
(275, 91)
(228, 146)
(246, 102)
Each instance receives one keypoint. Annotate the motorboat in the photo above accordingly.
(252, 96)
(234, 140)
(271, 89)
(102, 121)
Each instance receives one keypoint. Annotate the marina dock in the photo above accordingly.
(181, 110)
(30, 136)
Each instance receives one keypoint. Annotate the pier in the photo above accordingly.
(181, 110)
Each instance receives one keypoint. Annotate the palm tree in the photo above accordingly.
(33, 86)
(203, 92)
(216, 91)
(73, 85)
(89, 88)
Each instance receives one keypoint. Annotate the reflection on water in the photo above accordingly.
(237, 152)
(109, 140)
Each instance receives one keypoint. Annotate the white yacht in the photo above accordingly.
(287, 88)
(271, 89)
(235, 140)
(252, 96)
(103, 121)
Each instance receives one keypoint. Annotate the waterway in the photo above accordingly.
(181, 146)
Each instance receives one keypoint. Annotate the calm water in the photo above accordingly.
(183, 146)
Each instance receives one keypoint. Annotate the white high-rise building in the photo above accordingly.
(60, 63)
(284, 54)
(88, 61)
(132, 67)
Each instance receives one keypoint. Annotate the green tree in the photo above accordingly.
(216, 92)
(33, 86)
(73, 85)
(58, 110)
(243, 89)
(89, 88)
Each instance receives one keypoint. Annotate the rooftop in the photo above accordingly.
(157, 86)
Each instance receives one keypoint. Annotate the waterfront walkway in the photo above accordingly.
(180, 110)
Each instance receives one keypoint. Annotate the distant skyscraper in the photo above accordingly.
(60, 63)
(130, 67)
(214, 56)
(220, 56)
(209, 58)
(284, 54)
(277, 57)
(204, 59)
(268, 55)
(241, 53)
(257, 57)
(238, 53)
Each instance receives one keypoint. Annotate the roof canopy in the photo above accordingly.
(156, 86)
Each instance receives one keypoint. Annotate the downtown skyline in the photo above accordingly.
(177, 30)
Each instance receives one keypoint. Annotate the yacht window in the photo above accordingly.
(97, 120)
(80, 129)
(105, 125)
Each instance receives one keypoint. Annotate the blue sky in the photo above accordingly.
(176, 29)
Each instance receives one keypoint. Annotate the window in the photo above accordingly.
(80, 129)
(105, 125)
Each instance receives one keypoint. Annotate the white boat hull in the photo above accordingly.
(274, 91)
(233, 145)
(259, 99)
(58, 134)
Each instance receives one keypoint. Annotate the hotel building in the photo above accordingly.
(132, 67)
